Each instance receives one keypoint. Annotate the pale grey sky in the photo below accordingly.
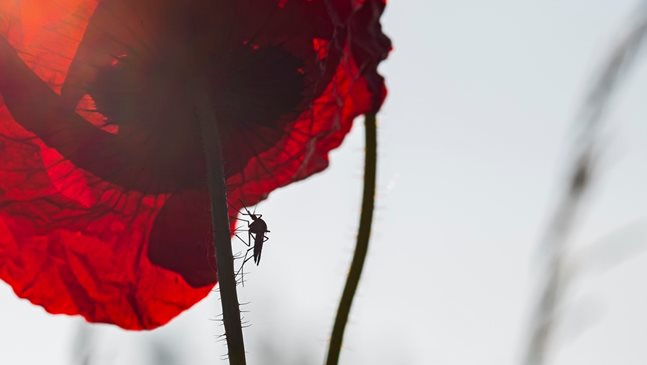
(473, 146)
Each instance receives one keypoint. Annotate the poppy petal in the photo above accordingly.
(103, 208)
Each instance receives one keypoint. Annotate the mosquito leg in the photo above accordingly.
(246, 258)
(238, 229)
(240, 270)
(242, 240)
(239, 219)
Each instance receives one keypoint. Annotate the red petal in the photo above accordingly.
(81, 232)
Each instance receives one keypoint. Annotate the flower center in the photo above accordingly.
(256, 92)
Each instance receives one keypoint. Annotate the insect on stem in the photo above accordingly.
(256, 237)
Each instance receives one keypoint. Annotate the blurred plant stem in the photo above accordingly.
(363, 236)
(83, 345)
(220, 227)
(554, 245)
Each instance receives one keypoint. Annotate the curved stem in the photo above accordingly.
(366, 220)
(220, 224)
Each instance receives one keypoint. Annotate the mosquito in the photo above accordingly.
(256, 237)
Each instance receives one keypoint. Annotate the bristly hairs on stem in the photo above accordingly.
(220, 224)
(589, 122)
(363, 236)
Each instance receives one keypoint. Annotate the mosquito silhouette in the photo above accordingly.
(256, 237)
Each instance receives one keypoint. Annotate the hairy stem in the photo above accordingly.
(363, 236)
(221, 233)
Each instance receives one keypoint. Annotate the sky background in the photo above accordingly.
(474, 144)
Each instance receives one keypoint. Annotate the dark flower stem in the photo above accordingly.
(221, 234)
(365, 222)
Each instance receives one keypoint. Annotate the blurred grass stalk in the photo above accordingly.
(83, 345)
(589, 122)
(363, 236)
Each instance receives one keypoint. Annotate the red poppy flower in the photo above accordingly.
(104, 210)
